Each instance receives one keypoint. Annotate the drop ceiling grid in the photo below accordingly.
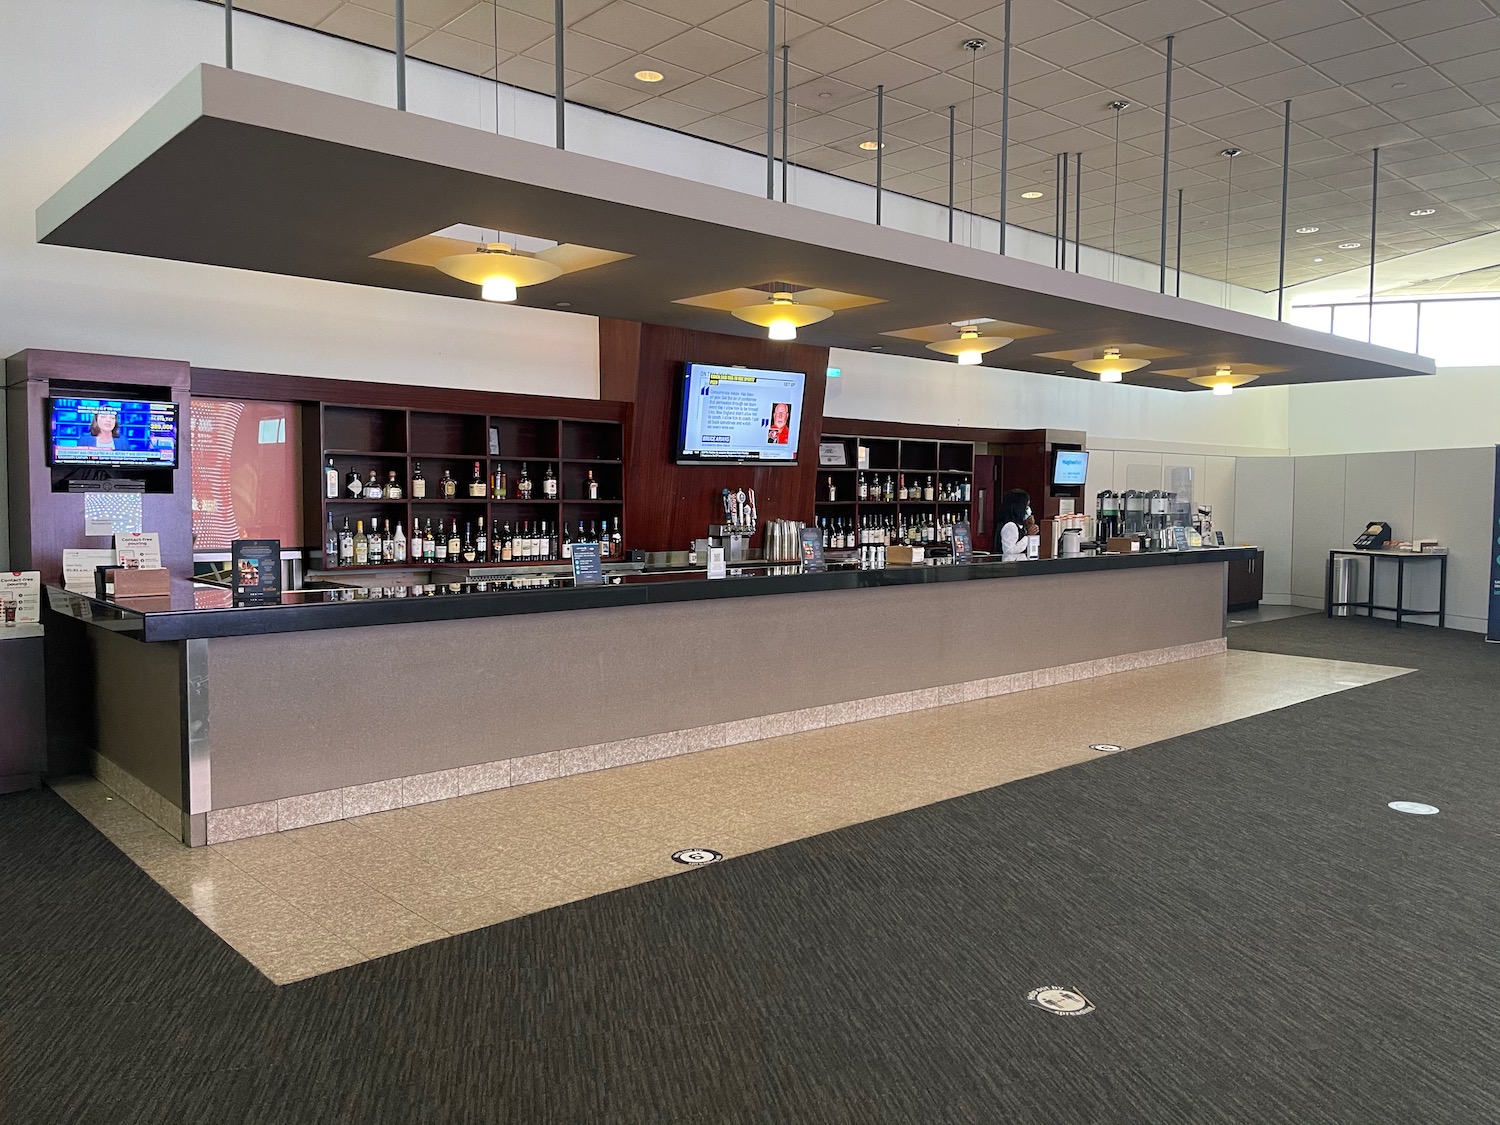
(1361, 73)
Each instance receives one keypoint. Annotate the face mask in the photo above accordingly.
(1028, 511)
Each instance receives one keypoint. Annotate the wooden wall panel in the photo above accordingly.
(669, 505)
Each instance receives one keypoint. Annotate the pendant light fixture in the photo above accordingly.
(498, 270)
(782, 316)
(970, 346)
(1223, 380)
(1111, 368)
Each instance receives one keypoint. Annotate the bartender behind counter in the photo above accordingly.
(1018, 531)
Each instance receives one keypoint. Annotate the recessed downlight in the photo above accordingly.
(1308, 230)
(1349, 245)
(648, 76)
(1317, 260)
(1031, 195)
(1421, 211)
(870, 146)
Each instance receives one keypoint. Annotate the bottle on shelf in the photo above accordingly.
(448, 487)
(416, 545)
(418, 483)
(331, 539)
(476, 484)
(361, 545)
(549, 484)
(373, 491)
(616, 541)
(399, 544)
(890, 488)
(567, 543)
(429, 544)
(901, 487)
(967, 497)
(392, 486)
(501, 485)
(927, 492)
(864, 487)
(523, 483)
(440, 546)
(482, 543)
(833, 492)
(592, 486)
(455, 544)
(505, 547)
(354, 488)
(331, 481)
(470, 552)
(375, 544)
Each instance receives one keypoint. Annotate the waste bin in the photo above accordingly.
(1345, 572)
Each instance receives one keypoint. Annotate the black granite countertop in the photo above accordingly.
(196, 610)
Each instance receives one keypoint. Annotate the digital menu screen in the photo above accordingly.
(740, 414)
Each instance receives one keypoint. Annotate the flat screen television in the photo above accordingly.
(113, 433)
(1070, 466)
(739, 415)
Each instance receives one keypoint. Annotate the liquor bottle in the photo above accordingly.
(901, 487)
(418, 483)
(392, 486)
(455, 545)
(331, 542)
(864, 487)
(593, 486)
(505, 546)
(523, 485)
(616, 541)
(476, 484)
(470, 552)
(448, 487)
(375, 544)
(440, 545)
(399, 544)
(331, 481)
(967, 496)
(416, 546)
(502, 485)
(549, 542)
(482, 543)
(346, 546)
(567, 543)
(549, 485)
(833, 493)
(429, 544)
(373, 490)
(927, 493)
(827, 535)
(361, 545)
(581, 537)
(354, 486)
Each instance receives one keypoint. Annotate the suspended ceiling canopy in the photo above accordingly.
(231, 169)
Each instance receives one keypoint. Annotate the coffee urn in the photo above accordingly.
(1133, 511)
(1106, 517)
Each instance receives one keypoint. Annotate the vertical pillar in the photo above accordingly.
(952, 131)
(228, 34)
(1374, 213)
(1166, 161)
(770, 99)
(1286, 171)
(1077, 210)
(401, 53)
(786, 64)
(1004, 126)
(559, 83)
(879, 149)
(1179, 242)
(1062, 211)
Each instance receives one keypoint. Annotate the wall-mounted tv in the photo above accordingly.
(1070, 466)
(739, 415)
(113, 433)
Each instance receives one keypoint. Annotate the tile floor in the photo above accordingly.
(310, 900)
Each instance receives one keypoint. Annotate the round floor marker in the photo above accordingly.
(1106, 747)
(1060, 1001)
(1416, 808)
(696, 857)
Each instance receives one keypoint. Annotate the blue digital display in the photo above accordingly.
(738, 414)
(114, 432)
(1070, 467)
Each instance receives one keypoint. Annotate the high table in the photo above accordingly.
(1402, 558)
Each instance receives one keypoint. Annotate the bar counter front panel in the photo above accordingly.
(317, 723)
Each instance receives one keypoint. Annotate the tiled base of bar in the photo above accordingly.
(266, 817)
(137, 793)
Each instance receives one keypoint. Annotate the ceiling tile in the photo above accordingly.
(1403, 84)
(1060, 86)
(1369, 64)
(891, 22)
(630, 25)
(662, 111)
(938, 91)
(704, 51)
(1028, 21)
(351, 21)
(945, 50)
(819, 11)
(1455, 121)
(1210, 40)
(712, 95)
(453, 51)
(1459, 42)
(927, 129)
(585, 53)
(533, 74)
(427, 13)
(1427, 16)
(623, 74)
(1208, 105)
(1150, 89)
(1251, 63)
(1337, 39)
(1150, 20)
(697, 12)
(892, 70)
(1475, 68)
(727, 131)
(517, 32)
(746, 25)
(824, 129)
(827, 49)
(307, 13)
(1079, 43)
(545, 10)
(1283, 18)
(862, 112)
(605, 95)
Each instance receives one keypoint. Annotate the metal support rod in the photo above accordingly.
(1004, 125)
(1057, 206)
(228, 34)
(770, 99)
(879, 149)
(1286, 172)
(1179, 242)
(1062, 198)
(1077, 210)
(1374, 212)
(1166, 160)
(401, 53)
(559, 83)
(952, 131)
(786, 64)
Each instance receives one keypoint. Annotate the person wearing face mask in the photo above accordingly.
(1017, 528)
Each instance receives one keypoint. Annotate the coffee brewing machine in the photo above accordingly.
(1107, 523)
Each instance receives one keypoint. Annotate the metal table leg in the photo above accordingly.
(1400, 588)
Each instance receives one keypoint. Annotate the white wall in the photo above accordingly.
(1457, 408)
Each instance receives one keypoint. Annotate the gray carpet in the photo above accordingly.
(1264, 940)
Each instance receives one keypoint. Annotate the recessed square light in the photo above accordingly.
(1308, 230)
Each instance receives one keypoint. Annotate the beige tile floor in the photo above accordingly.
(304, 902)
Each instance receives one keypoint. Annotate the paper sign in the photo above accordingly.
(139, 550)
(716, 567)
(963, 543)
(21, 595)
(79, 567)
(256, 569)
(587, 570)
(832, 453)
(1180, 538)
(812, 550)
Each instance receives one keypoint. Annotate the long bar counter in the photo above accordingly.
(222, 721)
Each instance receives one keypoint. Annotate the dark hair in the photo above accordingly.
(94, 423)
(1013, 507)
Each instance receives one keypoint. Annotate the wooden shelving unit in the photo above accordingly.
(915, 459)
(383, 439)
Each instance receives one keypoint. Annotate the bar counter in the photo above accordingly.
(223, 721)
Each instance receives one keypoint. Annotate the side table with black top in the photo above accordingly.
(23, 731)
(1399, 609)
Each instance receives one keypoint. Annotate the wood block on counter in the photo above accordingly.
(1122, 545)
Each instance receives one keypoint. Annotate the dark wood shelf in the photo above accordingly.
(588, 460)
(359, 500)
(448, 456)
(454, 500)
(419, 565)
(586, 502)
(327, 453)
(518, 500)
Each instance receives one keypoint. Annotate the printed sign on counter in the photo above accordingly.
(79, 568)
(256, 569)
(1179, 538)
(20, 597)
(963, 542)
(812, 550)
(587, 569)
(716, 567)
(138, 550)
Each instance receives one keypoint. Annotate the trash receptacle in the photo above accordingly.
(1345, 571)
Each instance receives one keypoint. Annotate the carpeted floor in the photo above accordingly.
(1264, 940)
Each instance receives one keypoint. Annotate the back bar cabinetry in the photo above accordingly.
(916, 464)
